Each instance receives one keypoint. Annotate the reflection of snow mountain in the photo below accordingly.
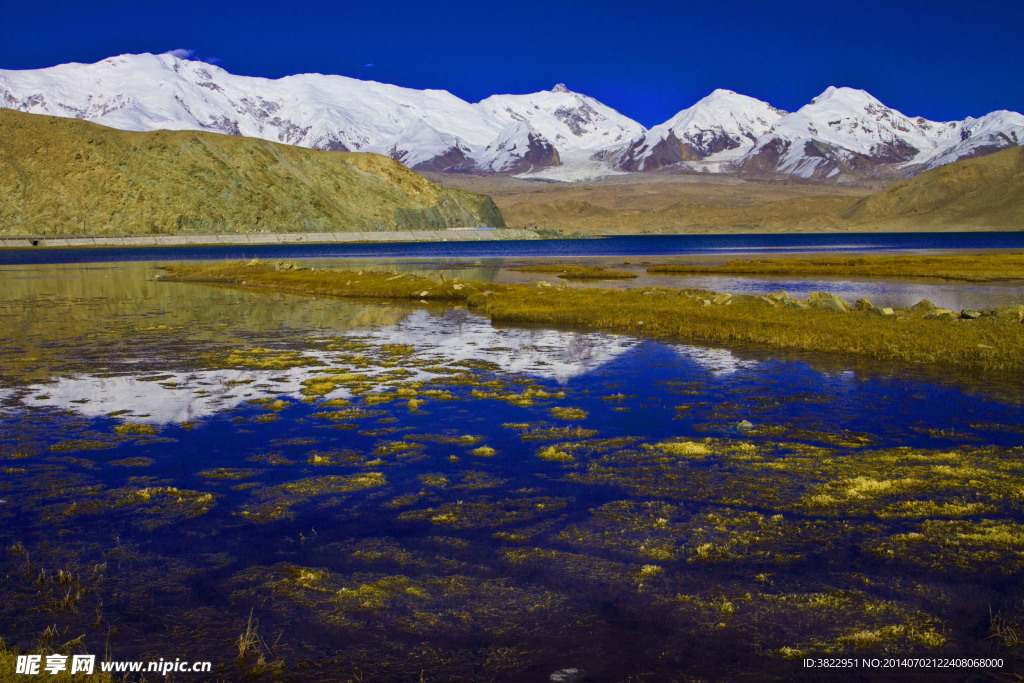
(715, 361)
(166, 397)
(454, 338)
(458, 336)
(178, 398)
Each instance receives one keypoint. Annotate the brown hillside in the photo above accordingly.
(982, 193)
(662, 204)
(69, 177)
(986, 193)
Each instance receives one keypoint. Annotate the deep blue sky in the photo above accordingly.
(938, 59)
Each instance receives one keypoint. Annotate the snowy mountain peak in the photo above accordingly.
(720, 93)
(843, 96)
(739, 105)
(560, 87)
(721, 127)
(577, 125)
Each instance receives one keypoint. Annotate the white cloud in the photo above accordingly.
(182, 53)
(191, 55)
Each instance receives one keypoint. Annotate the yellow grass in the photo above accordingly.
(990, 343)
(576, 272)
(976, 268)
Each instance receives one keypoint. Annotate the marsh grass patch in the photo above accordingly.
(149, 507)
(276, 502)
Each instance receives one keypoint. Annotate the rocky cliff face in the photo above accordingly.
(67, 177)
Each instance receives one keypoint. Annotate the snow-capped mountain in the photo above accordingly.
(842, 133)
(977, 137)
(421, 147)
(577, 125)
(518, 149)
(721, 127)
(424, 129)
(149, 92)
(556, 134)
(847, 132)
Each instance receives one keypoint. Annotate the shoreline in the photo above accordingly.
(427, 236)
(458, 235)
(902, 241)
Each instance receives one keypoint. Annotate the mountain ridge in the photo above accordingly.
(984, 194)
(842, 135)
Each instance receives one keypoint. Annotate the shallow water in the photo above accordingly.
(895, 292)
(392, 490)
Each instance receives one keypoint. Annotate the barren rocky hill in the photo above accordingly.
(63, 176)
(986, 193)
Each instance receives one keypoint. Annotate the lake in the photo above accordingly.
(382, 491)
(632, 245)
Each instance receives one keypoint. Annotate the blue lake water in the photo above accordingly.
(636, 245)
(391, 490)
